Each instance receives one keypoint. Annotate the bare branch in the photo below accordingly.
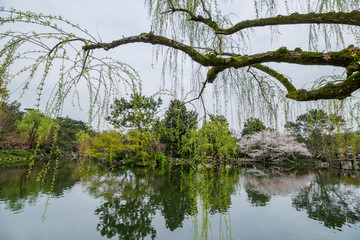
(83, 65)
(205, 10)
(260, 85)
(66, 41)
(197, 18)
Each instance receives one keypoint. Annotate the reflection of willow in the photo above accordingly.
(132, 198)
(330, 200)
(19, 188)
(212, 188)
(127, 210)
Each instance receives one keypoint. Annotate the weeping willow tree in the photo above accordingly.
(203, 32)
(217, 43)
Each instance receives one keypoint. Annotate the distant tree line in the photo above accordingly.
(140, 135)
(30, 129)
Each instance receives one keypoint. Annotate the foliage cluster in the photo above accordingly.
(139, 112)
(177, 131)
(33, 129)
(314, 134)
(150, 139)
(176, 123)
(213, 139)
(322, 133)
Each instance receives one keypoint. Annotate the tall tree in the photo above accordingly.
(252, 125)
(10, 113)
(68, 133)
(177, 121)
(212, 139)
(139, 112)
(35, 127)
(313, 127)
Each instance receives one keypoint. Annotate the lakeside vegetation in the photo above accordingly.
(176, 164)
(142, 137)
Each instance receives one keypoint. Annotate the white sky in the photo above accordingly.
(113, 19)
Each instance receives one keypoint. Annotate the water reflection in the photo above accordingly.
(331, 200)
(326, 196)
(18, 188)
(132, 200)
(262, 183)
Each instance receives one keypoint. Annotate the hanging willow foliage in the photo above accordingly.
(198, 29)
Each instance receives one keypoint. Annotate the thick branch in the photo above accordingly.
(339, 91)
(158, 40)
(352, 18)
(345, 58)
(281, 78)
(348, 58)
(213, 73)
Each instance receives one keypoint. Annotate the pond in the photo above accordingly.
(252, 202)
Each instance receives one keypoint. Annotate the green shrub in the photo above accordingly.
(129, 163)
(158, 157)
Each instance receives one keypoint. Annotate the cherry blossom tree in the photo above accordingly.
(272, 145)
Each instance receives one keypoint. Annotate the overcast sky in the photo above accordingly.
(113, 19)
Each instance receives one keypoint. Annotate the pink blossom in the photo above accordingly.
(272, 145)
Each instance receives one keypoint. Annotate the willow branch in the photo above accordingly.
(281, 78)
(344, 58)
(205, 10)
(197, 18)
(347, 58)
(339, 91)
(260, 86)
(352, 18)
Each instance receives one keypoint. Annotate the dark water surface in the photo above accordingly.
(181, 203)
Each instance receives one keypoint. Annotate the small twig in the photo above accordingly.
(84, 65)
(205, 10)
(260, 85)
(200, 94)
(203, 103)
(193, 17)
(65, 41)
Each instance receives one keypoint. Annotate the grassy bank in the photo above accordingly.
(15, 158)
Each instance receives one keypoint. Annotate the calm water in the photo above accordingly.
(181, 203)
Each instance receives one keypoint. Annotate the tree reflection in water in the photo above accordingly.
(325, 196)
(18, 188)
(133, 197)
(332, 200)
(261, 184)
(128, 218)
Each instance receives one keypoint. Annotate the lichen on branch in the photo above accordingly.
(352, 18)
(347, 58)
